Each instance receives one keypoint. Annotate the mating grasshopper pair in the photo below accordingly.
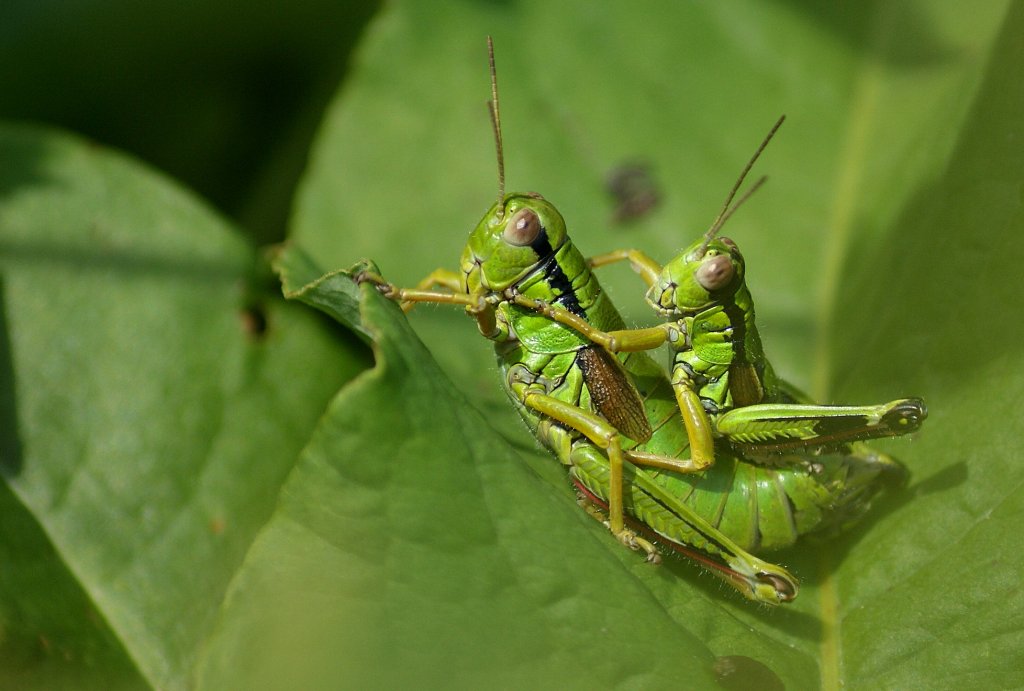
(723, 460)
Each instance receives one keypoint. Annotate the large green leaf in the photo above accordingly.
(153, 401)
(411, 546)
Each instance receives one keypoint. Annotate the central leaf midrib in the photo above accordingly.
(850, 176)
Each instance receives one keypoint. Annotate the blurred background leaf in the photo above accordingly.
(221, 95)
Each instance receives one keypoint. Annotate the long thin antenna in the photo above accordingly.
(725, 213)
(496, 124)
(746, 195)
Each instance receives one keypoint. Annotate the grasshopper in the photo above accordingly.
(723, 382)
(612, 419)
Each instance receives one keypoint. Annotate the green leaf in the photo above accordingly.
(153, 403)
(53, 636)
(900, 153)
(402, 557)
(334, 293)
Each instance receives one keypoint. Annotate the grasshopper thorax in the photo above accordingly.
(512, 240)
(705, 274)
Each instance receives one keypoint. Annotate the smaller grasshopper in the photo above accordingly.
(724, 385)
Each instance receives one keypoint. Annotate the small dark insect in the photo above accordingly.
(634, 189)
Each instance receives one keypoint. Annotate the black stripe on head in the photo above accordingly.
(555, 275)
(737, 319)
(541, 245)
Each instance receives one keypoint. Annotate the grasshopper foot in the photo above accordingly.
(626, 537)
(386, 289)
(906, 416)
(637, 544)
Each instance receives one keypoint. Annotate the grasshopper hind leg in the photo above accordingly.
(627, 537)
(675, 525)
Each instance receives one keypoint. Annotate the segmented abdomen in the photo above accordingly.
(759, 508)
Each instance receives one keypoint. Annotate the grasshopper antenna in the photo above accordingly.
(728, 211)
(746, 195)
(496, 124)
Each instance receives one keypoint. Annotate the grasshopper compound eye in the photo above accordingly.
(715, 272)
(522, 229)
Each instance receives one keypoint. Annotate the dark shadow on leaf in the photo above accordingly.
(819, 556)
(894, 33)
(892, 499)
(10, 436)
(131, 262)
(22, 160)
(946, 479)
(739, 673)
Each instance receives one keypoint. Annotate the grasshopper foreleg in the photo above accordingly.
(622, 341)
(476, 305)
(438, 278)
(640, 262)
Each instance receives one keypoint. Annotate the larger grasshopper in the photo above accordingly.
(723, 382)
(612, 419)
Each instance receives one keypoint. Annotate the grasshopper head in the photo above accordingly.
(711, 270)
(512, 239)
(702, 276)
